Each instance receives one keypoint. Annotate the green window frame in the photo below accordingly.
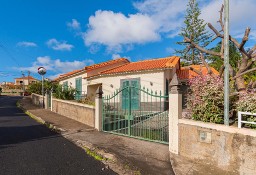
(135, 93)
(65, 85)
(78, 88)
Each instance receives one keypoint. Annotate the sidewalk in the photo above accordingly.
(130, 156)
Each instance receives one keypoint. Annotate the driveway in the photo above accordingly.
(27, 147)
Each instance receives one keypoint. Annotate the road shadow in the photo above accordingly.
(9, 136)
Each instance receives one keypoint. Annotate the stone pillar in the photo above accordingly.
(175, 113)
(46, 97)
(98, 109)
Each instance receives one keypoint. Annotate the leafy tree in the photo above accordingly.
(234, 56)
(196, 31)
(243, 66)
(58, 90)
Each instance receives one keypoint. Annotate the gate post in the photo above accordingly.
(46, 102)
(175, 113)
(98, 109)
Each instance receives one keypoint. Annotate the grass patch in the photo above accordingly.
(94, 155)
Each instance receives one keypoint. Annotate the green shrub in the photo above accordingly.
(64, 93)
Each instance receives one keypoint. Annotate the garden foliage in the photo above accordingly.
(206, 99)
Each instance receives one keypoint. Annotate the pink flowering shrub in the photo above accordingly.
(206, 99)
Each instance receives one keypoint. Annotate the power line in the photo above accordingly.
(9, 54)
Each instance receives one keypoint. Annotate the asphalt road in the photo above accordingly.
(26, 147)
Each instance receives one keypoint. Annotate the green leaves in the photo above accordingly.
(195, 29)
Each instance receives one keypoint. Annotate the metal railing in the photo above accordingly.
(240, 119)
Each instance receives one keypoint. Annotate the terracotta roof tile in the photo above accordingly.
(28, 77)
(95, 66)
(159, 63)
(92, 67)
(68, 74)
(185, 73)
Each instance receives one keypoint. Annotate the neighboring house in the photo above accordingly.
(75, 79)
(185, 74)
(153, 74)
(25, 80)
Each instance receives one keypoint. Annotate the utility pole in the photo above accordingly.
(28, 76)
(226, 62)
(23, 83)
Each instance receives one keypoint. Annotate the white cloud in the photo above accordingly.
(74, 24)
(167, 14)
(152, 20)
(115, 29)
(26, 44)
(242, 15)
(59, 45)
(116, 56)
(56, 65)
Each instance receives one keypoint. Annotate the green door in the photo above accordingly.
(135, 94)
(130, 93)
(125, 95)
(78, 88)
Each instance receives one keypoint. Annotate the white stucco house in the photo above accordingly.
(25, 80)
(75, 79)
(154, 74)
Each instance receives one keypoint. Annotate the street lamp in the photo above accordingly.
(42, 72)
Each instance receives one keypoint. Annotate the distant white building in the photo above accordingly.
(25, 80)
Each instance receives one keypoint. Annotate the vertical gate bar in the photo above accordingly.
(115, 111)
(129, 112)
(109, 112)
(160, 97)
(119, 115)
(103, 115)
(157, 119)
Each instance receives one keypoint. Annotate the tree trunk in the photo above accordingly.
(240, 85)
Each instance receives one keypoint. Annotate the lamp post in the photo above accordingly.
(42, 72)
(226, 62)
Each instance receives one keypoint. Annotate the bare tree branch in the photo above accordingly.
(215, 30)
(245, 72)
(221, 70)
(205, 64)
(220, 20)
(186, 39)
(252, 50)
(249, 64)
(222, 49)
(196, 71)
(245, 38)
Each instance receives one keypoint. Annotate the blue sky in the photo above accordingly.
(67, 35)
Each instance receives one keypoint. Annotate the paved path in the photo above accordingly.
(26, 147)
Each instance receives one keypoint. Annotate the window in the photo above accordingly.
(65, 85)
(78, 88)
(132, 96)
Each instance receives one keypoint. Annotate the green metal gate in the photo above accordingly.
(137, 112)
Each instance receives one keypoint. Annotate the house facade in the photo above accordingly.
(75, 79)
(24, 80)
